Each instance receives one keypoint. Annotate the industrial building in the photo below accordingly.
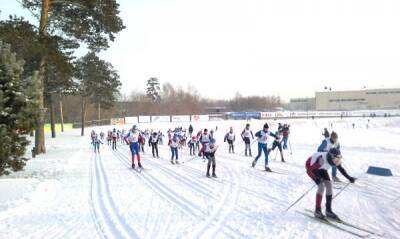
(349, 100)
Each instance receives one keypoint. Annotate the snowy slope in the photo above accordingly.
(73, 193)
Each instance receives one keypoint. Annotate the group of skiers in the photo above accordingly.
(327, 156)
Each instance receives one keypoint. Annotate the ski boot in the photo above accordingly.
(176, 162)
(213, 172)
(318, 214)
(253, 164)
(336, 179)
(267, 169)
(172, 161)
(283, 160)
(140, 165)
(331, 215)
(208, 171)
(133, 166)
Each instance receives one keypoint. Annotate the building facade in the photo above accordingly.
(358, 100)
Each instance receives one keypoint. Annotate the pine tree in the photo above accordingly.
(17, 112)
(153, 89)
(98, 83)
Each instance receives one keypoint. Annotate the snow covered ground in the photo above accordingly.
(72, 193)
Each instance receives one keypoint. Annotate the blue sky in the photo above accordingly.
(290, 48)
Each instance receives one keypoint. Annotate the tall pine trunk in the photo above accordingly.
(83, 115)
(98, 112)
(61, 114)
(39, 134)
(52, 117)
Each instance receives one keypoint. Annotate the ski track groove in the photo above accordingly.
(181, 179)
(217, 220)
(106, 206)
(162, 190)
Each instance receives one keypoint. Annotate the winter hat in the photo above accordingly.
(266, 126)
(332, 154)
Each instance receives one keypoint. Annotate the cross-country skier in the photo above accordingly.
(92, 136)
(114, 139)
(96, 143)
(204, 140)
(230, 137)
(142, 142)
(262, 137)
(173, 144)
(317, 167)
(326, 145)
(326, 133)
(132, 138)
(102, 135)
(190, 130)
(192, 145)
(285, 133)
(277, 144)
(246, 133)
(209, 153)
(153, 142)
(109, 137)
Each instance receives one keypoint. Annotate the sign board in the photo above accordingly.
(144, 119)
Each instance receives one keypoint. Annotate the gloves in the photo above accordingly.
(352, 180)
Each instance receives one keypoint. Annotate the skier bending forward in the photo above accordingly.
(317, 168)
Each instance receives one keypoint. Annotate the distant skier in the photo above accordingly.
(132, 138)
(142, 142)
(192, 145)
(96, 143)
(285, 133)
(204, 140)
(153, 142)
(173, 144)
(92, 135)
(209, 152)
(114, 139)
(109, 137)
(102, 136)
(262, 137)
(277, 144)
(246, 133)
(326, 145)
(326, 133)
(230, 138)
(317, 167)
(190, 130)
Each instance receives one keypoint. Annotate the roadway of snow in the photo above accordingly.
(72, 193)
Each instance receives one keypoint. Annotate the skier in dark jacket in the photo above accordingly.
(153, 142)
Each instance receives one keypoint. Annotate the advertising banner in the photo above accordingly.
(198, 118)
(162, 118)
(144, 119)
(131, 120)
(180, 118)
(117, 121)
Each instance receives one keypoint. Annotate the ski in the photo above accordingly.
(332, 224)
(272, 171)
(355, 226)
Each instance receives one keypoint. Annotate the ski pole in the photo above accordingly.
(304, 194)
(276, 153)
(290, 146)
(341, 190)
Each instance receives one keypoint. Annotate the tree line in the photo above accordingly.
(38, 65)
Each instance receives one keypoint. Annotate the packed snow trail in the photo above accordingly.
(73, 193)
